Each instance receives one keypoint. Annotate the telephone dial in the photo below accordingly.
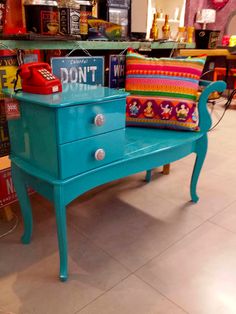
(37, 78)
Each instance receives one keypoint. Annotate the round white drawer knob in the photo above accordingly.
(100, 154)
(99, 120)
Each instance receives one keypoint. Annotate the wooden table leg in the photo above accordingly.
(166, 169)
(7, 213)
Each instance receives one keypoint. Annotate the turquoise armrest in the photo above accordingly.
(204, 116)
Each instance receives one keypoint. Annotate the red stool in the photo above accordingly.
(222, 71)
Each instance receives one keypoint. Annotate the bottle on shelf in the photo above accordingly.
(69, 16)
(154, 28)
(176, 14)
(166, 28)
(181, 35)
(160, 14)
(86, 8)
(14, 17)
(2, 14)
(190, 32)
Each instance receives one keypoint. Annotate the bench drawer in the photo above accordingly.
(78, 122)
(87, 154)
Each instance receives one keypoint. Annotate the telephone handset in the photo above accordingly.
(37, 78)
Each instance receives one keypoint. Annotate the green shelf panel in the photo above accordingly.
(89, 45)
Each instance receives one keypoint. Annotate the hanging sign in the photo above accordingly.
(219, 4)
(84, 70)
(117, 71)
(8, 193)
(7, 190)
(8, 68)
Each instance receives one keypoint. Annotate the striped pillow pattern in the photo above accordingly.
(165, 80)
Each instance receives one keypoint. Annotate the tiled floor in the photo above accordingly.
(135, 248)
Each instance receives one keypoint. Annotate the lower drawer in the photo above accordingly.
(82, 155)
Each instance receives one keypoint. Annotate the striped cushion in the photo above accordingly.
(168, 80)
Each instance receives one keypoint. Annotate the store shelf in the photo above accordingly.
(170, 21)
(90, 45)
(208, 52)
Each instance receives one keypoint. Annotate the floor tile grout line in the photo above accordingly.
(222, 227)
(102, 249)
(223, 209)
(130, 272)
(157, 255)
(103, 293)
(167, 248)
(161, 293)
(135, 272)
(217, 213)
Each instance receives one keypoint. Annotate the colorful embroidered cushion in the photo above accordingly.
(170, 86)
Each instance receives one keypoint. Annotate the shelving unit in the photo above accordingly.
(89, 45)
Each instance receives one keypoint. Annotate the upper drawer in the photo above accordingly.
(77, 122)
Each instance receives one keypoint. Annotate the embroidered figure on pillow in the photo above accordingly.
(148, 112)
(134, 108)
(166, 110)
(182, 112)
(195, 115)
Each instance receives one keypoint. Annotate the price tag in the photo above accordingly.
(181, 46)
(12, 108)
(145, 46)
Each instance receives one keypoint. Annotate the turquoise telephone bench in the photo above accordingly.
(65, 144)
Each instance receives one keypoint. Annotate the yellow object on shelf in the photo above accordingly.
(190, 31)
(4, 162)
(181, 36)
(166, 28)
(232, 41)
(154, 29)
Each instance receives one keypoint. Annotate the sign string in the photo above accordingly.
(123, 51)
(78, 46)
(8, 48)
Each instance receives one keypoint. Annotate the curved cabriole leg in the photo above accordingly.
(60, 211)
(148, 175)
(21, 191)
(201, 151)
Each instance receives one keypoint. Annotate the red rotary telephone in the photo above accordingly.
(37, 78)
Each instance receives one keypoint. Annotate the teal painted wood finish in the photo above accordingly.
(144, 149)
(34, 137)
(77, 122)
(64, 118)
(82, 154)
(73, 95)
